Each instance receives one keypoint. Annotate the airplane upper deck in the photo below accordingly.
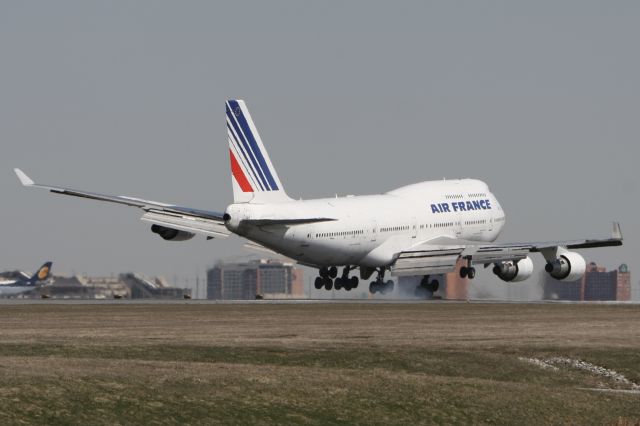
(465, 187)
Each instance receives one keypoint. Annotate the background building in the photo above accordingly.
(455, 287)
(157, 288)
(257, 278)
(596, 284)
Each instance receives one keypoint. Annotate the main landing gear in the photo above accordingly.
(379, 285)
(468, 271)
(328, 274)
(427, 287)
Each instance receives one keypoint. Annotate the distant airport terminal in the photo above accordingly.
(122, 286)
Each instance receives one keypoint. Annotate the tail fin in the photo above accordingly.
(254, 178)
(42, 273)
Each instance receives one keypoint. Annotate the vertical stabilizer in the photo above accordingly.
(42, 274)
(254, 178)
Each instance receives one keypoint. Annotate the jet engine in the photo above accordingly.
(568, 266)
(171, 234)
(513, 271)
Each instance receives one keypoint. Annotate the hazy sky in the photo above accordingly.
(539, 99)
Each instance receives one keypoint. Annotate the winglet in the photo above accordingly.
(617, 233)
(24, 179)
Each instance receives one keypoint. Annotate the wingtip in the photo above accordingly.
(617, 233)
(24, 179)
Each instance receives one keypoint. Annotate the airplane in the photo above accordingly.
(422, 229)
(24, 282)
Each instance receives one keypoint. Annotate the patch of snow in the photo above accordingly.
(539, 363)
(552, 363)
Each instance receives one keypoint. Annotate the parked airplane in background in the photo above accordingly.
(25, 283)
(421, 229)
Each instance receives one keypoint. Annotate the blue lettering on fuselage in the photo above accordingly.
(461, 206)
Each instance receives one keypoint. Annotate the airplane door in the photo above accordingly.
(374, 231)
(414, 227)
(457, 227)
(308, 236)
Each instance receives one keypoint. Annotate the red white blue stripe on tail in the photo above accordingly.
(251, 167)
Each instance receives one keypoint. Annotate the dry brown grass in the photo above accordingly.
(313, 364)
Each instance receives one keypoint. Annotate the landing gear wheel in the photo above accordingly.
(373, 287)
(388, 287)
(464, 271)
(324, 272)
(333, 272)
(429, 285)
(319, 283)
(354, 282)
(338, 283)
(346, 284)
(328, 283)
(471, 273)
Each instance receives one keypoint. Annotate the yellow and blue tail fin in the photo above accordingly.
(42, 274)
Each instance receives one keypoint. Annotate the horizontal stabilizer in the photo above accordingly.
(259, 247)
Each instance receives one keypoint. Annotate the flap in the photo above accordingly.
(198, 225)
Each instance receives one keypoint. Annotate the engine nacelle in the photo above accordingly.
(514, 271)
(568, 266)
(171, 234)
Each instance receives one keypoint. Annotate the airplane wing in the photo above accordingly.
(440, 255)
(171, 216)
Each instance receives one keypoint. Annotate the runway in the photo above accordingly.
(14, 301)
(317, 362)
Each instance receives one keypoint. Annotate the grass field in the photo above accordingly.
(425, 363)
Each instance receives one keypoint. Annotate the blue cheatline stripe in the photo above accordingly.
(252, 171)
(242, 160)
(245, 144)
(246, 151)
(254, 145)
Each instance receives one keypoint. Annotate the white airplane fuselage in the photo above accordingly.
(369, 230)
(11, 289)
